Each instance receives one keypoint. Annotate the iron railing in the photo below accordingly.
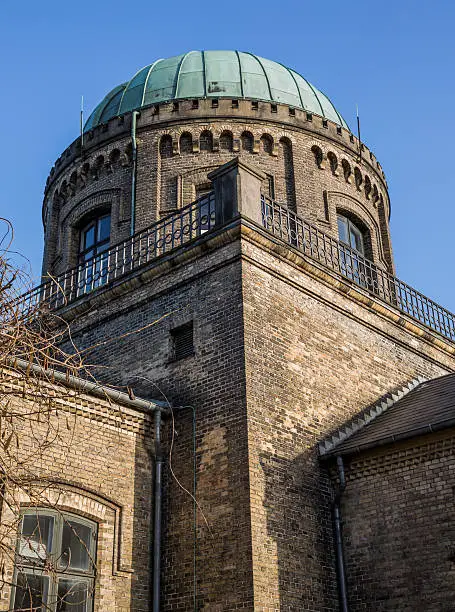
(356, 268)
(199, 217)
(141, 248)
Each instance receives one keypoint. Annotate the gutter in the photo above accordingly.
(134, 115)
(338, 522)
(405, 435)
(92, 388)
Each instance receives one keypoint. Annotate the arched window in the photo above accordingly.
(94, 238)
(114, 157)
(267, 143)
(350, 234)
(358, 178)
(226, 141)
(206, 141)
(353, 261)
(186, 143)
(166, 146)
(347, 171)
(94, 243)
(333, 161)
(64, 542)
(247, 141)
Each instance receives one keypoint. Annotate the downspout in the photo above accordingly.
(341, 571)
(134, 116)
(157, 514)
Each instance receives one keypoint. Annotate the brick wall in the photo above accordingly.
(281, 359)
(87, 460)
(315, 169)
(399, 526)
(313, 360)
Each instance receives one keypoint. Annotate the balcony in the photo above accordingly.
(213, 211)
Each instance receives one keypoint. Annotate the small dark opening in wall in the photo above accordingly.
(254, 105)
(214, 103)
(235, 103)
(274, 108)
(351, 137)
(338, 129)
(292, 111)
(309, 117)
(325, 123)
(175, 106)
(182, 340)
(195, 104)
(156, 110)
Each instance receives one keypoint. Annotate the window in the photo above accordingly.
(352, 262)
(55, 563)
(270, 186)
(350, 234)
(183, 341)
(93, 256)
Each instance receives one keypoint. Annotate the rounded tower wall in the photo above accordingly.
(312, 165)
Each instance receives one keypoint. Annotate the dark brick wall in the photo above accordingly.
(208, 292)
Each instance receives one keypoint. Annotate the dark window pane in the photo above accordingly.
(88, 255)
(102, 247)
(76, 546)
(104, 228)
(36, 536)
(31, 592)
(89, 237)
(73, 595)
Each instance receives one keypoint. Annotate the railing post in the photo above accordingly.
(237, 188)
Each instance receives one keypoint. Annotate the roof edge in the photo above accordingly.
(89, 387)
(328, 446)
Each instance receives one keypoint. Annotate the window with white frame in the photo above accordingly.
(350, 234)
(94, 244)
(351, 260)
(55, 562)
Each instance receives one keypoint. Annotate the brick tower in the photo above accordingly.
(220, 221)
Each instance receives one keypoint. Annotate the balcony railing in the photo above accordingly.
(354, 267)
(199, 217)
(144, 246)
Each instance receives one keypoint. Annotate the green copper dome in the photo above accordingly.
(214, 74)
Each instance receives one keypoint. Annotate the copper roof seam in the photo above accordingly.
(265, 73)
(144, 90)
(240, 73)
(126, 89)
(179, 67)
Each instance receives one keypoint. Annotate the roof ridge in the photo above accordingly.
(363, 419)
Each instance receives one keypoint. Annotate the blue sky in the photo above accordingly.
(394, 59)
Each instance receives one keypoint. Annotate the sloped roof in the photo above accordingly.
(425, 407)
(213, 74)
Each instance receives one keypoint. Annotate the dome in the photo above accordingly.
(214, 74)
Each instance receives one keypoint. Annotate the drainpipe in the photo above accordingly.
(157, 514)
(134, 116)
(339, 536)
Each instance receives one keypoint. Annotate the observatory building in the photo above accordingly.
(218, 239)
